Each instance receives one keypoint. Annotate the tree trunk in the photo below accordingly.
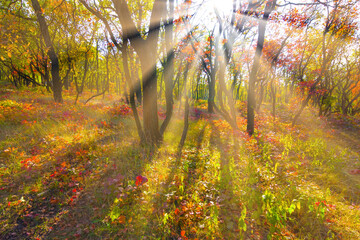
(211, 98)
(136, 78)
(147, 52)
(150, 119)
(132, 93)
(55, 68)
(186, 123)
(251, 104)
(169, 68)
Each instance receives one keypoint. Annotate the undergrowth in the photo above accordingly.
(78, 171)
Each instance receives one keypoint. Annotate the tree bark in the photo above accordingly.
(132, 92)
(147, 52)
(150, 117)
(169, 69)
(55, 68)
(251, 104)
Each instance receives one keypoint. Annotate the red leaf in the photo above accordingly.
(177, 211)
(140, 180)
(355, 171)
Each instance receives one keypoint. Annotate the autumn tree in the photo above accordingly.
(55, 67)
(251, 104)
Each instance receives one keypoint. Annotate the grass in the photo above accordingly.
(78, 172)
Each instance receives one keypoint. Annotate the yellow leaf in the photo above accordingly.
(9, 54)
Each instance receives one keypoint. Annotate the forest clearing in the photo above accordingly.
(179, 119)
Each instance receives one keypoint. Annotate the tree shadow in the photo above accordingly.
(85, 217)
(229, 211)
(160, 202)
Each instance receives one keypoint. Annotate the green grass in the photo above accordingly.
(74, 174)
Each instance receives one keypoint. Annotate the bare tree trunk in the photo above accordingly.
(169, 69)
(132, 93)
(79, 90)
(55, 68)
(186, 114)
(186, 123)
(150, 120)
(273, 88)
(270, 5)
(211, 98)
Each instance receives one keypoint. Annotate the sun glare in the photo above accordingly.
(223, 6)
(207, 10)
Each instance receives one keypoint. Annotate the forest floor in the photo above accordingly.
(78, 172)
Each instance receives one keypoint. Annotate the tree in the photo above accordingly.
(55, 67)
(251, 104)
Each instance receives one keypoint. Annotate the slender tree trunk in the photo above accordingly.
(211, 98)
(132, 93)
(139, 97)
(186, 123)
(186, 113)
(107, 87)
(273, 93)
(251, 104)
(97, 68)
(79, 90)
(185, 73)
(55, 68)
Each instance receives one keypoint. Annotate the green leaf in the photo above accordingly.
(292, 208)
